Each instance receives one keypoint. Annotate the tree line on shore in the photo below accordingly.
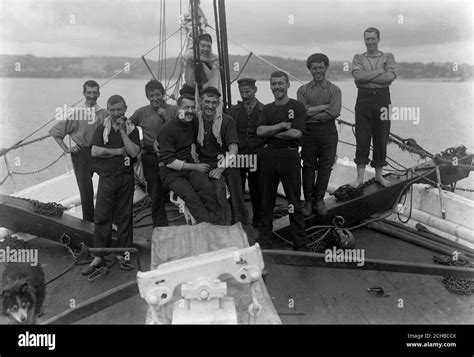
(104, 67)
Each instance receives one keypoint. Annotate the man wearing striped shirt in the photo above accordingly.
(373, 72)
(322, 100)
(80, 124)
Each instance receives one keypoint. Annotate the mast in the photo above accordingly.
(223, 52)
(195, 34)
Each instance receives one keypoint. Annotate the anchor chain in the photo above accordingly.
(347, 192)
(13, 242)
(459, 286)
(48, 209)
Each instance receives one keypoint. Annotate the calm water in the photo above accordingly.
(446, 118)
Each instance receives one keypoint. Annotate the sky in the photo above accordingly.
(414, 31)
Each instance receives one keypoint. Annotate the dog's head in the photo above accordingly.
(16, 302)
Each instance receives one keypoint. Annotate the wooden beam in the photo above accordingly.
(96, 304)
(16, 214)
(283, 257)
(375, 198)
(400, 232)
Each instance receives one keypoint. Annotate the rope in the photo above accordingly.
(101, 85)
(404, 201)
(418, 150)
(243, 67)
(4, 179)
(148, 67)
(3, 152)
(11, 172)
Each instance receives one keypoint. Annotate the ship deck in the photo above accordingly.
(301, 295)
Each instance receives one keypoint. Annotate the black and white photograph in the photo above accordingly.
(237, 162)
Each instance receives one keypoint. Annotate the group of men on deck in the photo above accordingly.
(267, 135)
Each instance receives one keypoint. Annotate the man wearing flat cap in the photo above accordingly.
(322, 100)
(216, 142)
(246, 114)
(207, 71)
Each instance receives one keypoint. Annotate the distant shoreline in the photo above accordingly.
(453, 79)
(28, 66)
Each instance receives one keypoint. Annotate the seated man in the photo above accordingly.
(207, 70)
(178, 170)
(115, 146)
(216, 143)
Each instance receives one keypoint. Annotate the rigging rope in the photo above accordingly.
(101, 85)
(243, 67)
(404, 146)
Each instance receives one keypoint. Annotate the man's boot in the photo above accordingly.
(321, 207)
(308, 208)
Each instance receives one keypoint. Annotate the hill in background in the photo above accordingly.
(104, 67)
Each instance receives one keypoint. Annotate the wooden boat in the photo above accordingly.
(302, 286)
(398, 282)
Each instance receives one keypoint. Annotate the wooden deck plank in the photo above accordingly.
(333, 296)
(128, 312)
(322, 295)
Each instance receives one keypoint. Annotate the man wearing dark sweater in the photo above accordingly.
(217, 144)
(281, 127)
(115, 146)
(178, 170)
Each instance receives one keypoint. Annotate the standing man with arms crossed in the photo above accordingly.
(115, 146)
(373, 72)
(322, 101)
(80, 124)
(246, 115)
(281, 127)
(151, 118)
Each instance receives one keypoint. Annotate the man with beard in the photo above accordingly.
(178, 170)
(151, 118)
(373, 72)
(322, 100)
(207, 70)
(246, 115)
(216, 144)
(281, 127)
(115, 146)
(80, 124)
